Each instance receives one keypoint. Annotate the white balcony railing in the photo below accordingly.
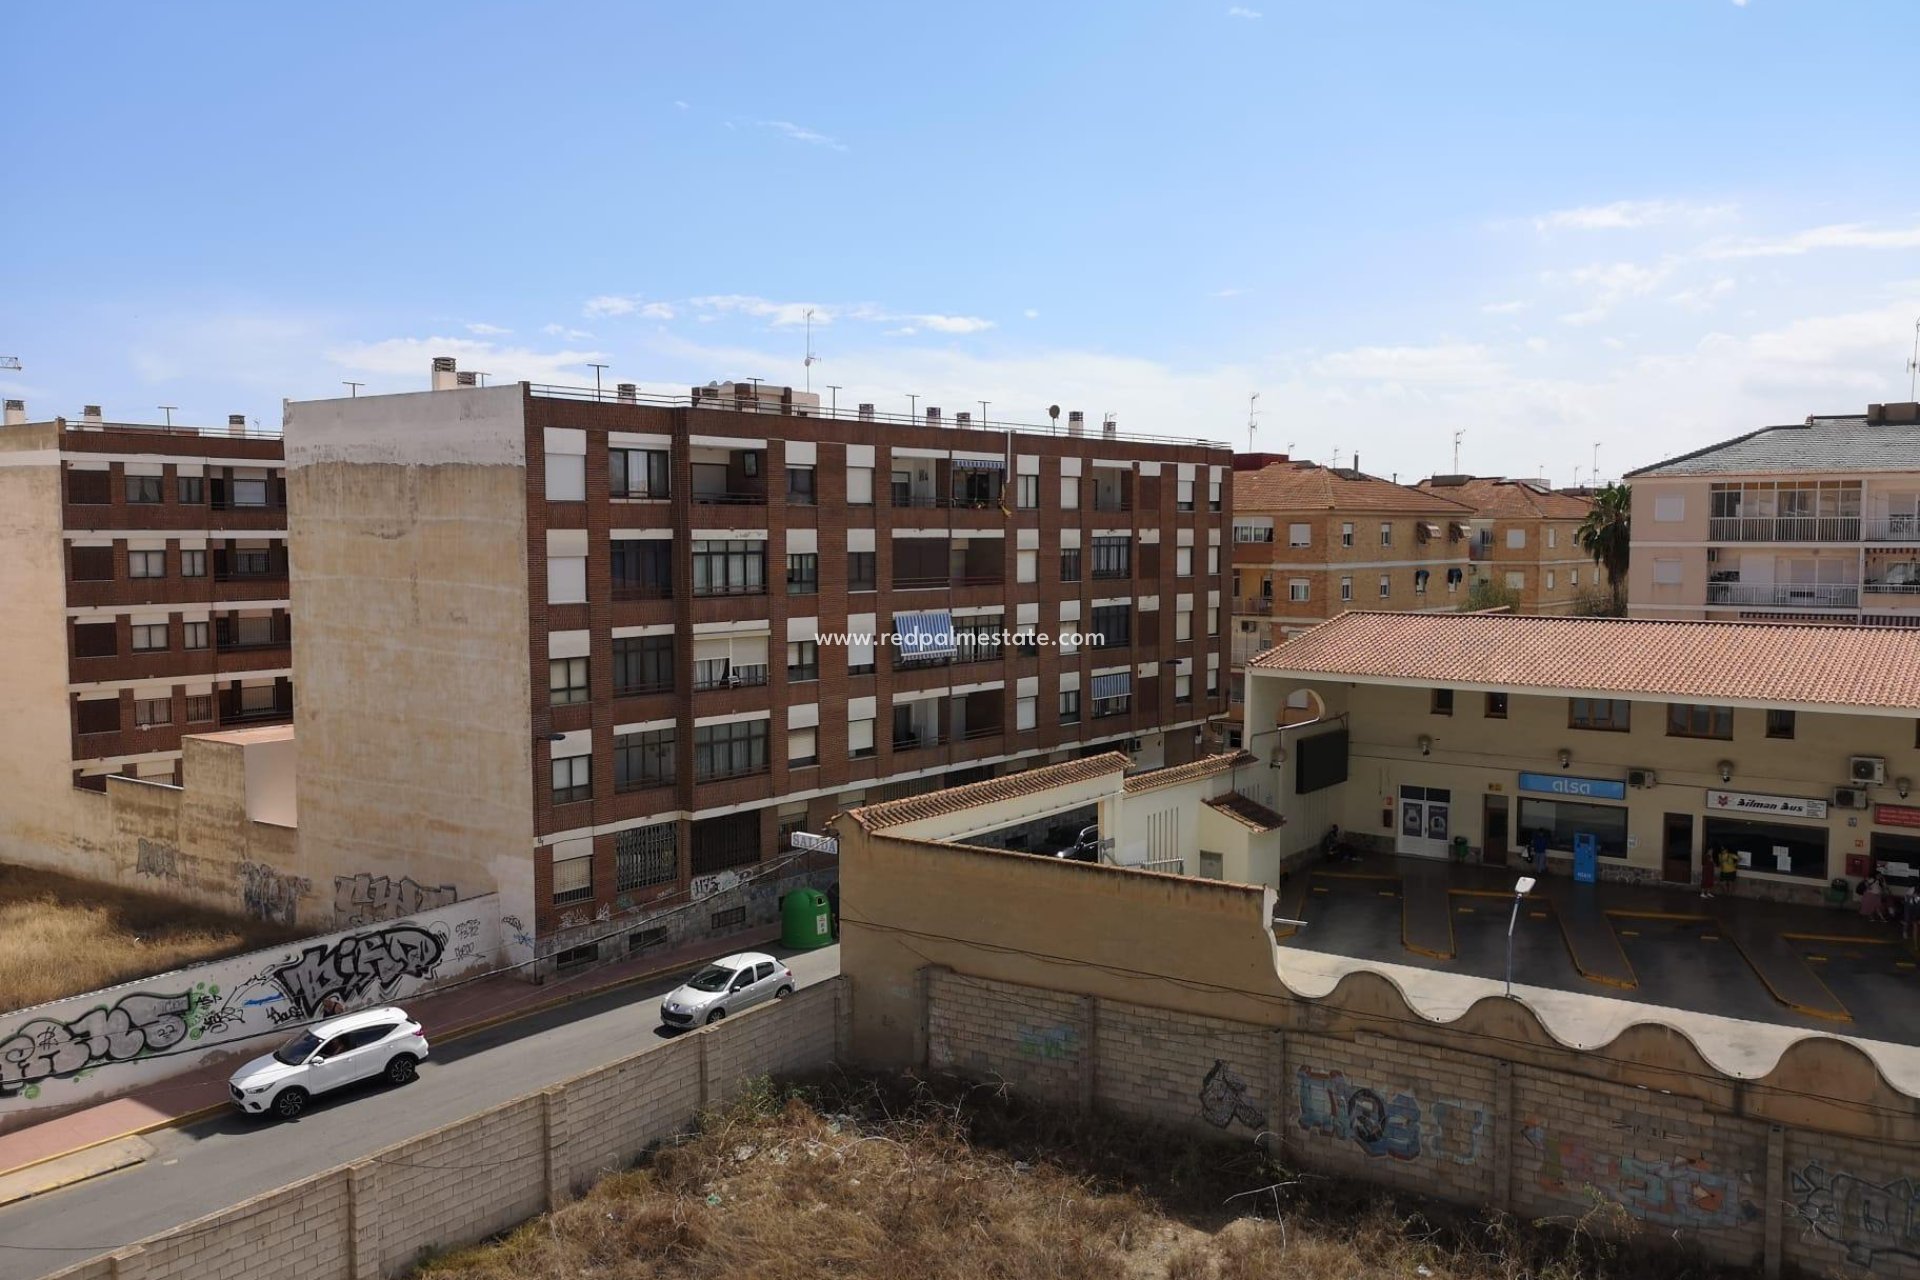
(1803, 595)
(1784, 528)
(1901, 528)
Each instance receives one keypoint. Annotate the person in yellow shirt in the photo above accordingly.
(1729, 869)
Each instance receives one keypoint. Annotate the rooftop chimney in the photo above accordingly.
(962, 419)
(90, 414)
(16, 412)
(627, 392)
(236, 424)
(933, 415)
(1110, 427)
(1076, 422)
(444, 378)
(466, 378)
(866, 411)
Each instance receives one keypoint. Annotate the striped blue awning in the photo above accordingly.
(1118, 684)
(925, 635)
(981, 464)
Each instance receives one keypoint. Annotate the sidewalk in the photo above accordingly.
(446, 1016)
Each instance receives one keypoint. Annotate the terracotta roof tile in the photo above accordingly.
(1246, 811)
(1499, 499)
(1784, 664)
(893, 813)
(1303, 486)
(1205, 767)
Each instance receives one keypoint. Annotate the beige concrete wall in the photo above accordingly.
(407, 521)
(1684, 540)
(479, 1176)
(42, 821)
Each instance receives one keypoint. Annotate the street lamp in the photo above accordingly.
(1521, 888)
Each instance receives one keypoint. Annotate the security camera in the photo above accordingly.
(1426, 745)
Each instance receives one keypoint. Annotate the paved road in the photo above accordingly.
(217, 1162)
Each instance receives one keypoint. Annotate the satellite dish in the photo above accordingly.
(1053, 411)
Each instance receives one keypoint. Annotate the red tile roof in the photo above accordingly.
(1776, 663)
(1303, 486)
(1498, 499)
(1205, 767)
(893, 813)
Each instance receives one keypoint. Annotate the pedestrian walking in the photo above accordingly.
(1729, 869)
(1538, 847)
(1706, 873)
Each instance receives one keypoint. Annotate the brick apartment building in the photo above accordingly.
(146, 589)
(1312, 542)
(576, 647)
(1524, 539)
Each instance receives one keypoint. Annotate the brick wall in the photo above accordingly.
(477, 1177)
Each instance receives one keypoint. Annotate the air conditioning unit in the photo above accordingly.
(1642, 778)
(1869, 770)
(1851, 798)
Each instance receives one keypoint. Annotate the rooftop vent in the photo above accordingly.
(90, 413)
(933, 416)
(866, 412)
(236, 424)
(444, 377)
(627, 392)
(1110, 427)
(466, 378)
(962, 419)
(1076, 422)
(16, 412)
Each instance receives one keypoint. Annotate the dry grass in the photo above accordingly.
(866, 1181)
(60, 936)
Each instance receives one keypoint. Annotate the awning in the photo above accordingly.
(981, 464)
(1460, 531)
(1117, 685)
(925, 635)
(1430, 530)
(1421, 575)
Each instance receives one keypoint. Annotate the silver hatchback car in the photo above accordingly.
(728, 985)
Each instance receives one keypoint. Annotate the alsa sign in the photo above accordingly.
(1779, 806)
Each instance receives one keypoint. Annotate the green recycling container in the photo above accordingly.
(804, 920)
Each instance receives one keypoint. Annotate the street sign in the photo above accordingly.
(818, 844)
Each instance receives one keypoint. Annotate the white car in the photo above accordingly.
(728, 985)
(357, 1046)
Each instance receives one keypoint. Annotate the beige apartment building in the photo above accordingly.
(1813, 520)
(1311, 542)
(1525, 538)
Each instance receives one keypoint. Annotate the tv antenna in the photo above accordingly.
(808, 363)
(1913, 365)
(1457, 433)
(353, 388)
(835, 388)
(597, 370)
(168, 410)
(1253, 413)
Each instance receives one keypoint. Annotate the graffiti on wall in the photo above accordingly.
(1225, 1098)
(132, 1027)
(1397, 1127)
(271, 895)
(1867, 1219)
(719, 882)
(1048, 1044)
(161, 861)
(368, 899)
(1680, 1192)
(358, 965)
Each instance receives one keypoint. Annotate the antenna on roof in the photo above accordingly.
(811, 359)
(1253, 412)
(1457, 433)
(1913, 365)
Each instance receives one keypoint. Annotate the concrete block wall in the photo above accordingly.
(479, 1176)
(1853, 1206)
(990, 1030)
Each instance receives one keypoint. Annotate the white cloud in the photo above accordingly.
(953, 324)
(408, 360)
(613, 304)
(779, 314)
(678, 104)
(487, 330)
(1238, 12)
(562, 331)
(1031, 314)
(1609, 284)
(1630, 214)
(1504, 308)
(800, 133)
(1702, 297)
(785, 315)
(1843, 235)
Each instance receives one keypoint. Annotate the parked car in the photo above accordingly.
(1085, 846)
(383, 1043)
(726, 986)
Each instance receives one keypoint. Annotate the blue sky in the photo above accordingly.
(1649, 225)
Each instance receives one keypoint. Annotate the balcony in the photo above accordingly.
(728, 498)
(1900, 528)
(1254, 604)
(741, 677)
(1800, 596)
(642, 590)
(1784, 528)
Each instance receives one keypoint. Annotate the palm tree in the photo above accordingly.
(1606, 535)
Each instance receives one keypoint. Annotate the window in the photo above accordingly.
(95, 640)
(566, 476)
(92, 564)
(1069, 493)
(859, 486)
(148, 712)
(1611, 715)
(1026, 566)
(1553, 537)
(1686, 720)
(803, 748)
(1496, 706)
(729, 567)
(1668, 573)
(729, 750)
(1346, 588)
(199, 708)
(1297, 589)
(1441, 702)
(1453, 581)
(1252, 533)
(1213, 495)
(800, 491)
(1420, 577)
(1182, 688)
(1573, 577)
(643, 759)
(860, 738)
(193, 491)
(1517, 581)
(1213, 620)
(89, 488)
(1117, 705)
(572, 779)
(149, 636)
(1299, 535)
(803, 573)
(1516, 539)
(256, 699)
(1564, 820)
(1346, 533)
(1386, 585)
(642, 664)
(1549, 579)
(638, 473)
(1779, 724)
(1183, 625)
(644, 856)
(1183, 562)
(1026, 492)
(1024, 711)
(1669, 507)
(193, 564)
(1386, 534)
(1069, 564)
(253, 562)
(143, 489)
(1111, 626)
(194, 635)
(1112, 557)
(248, 493)
(803, 660)
(862, 571)
(566, 681)
(1213, 562)
(642, 568)
(97, 715)
(1069, 706)
(146, 564)
(1183, 495)
(573, 882)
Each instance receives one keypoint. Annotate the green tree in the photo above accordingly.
(1607, 534)
(1487, 594)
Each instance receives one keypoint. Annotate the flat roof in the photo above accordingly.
(1779, 664)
